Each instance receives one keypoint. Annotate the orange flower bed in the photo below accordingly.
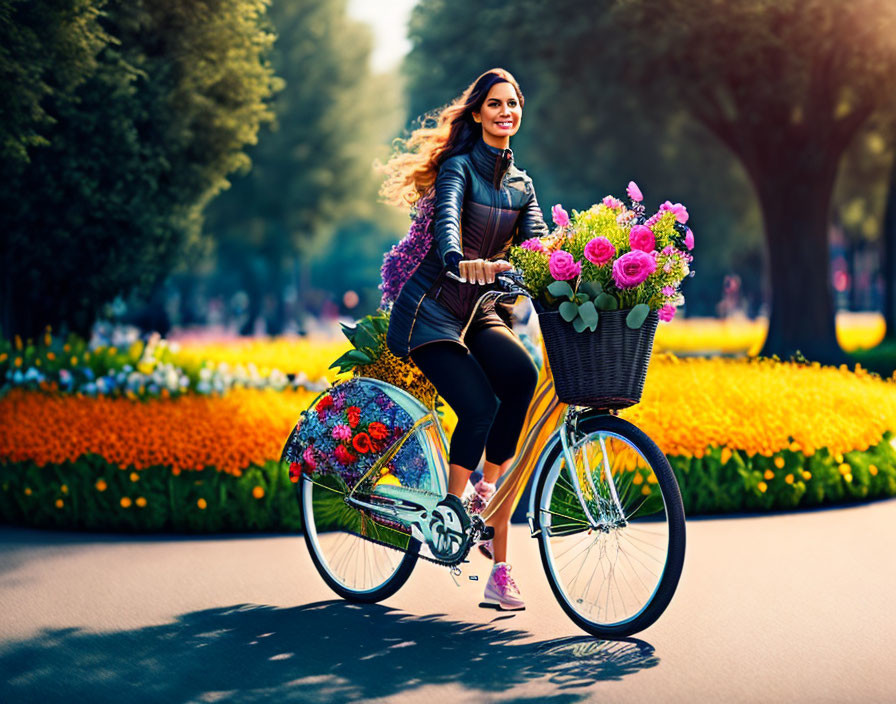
(229, 432)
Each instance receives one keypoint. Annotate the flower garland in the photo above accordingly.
(402, 260)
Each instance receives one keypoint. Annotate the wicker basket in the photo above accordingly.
(600, 369)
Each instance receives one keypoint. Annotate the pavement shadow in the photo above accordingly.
(330, 651)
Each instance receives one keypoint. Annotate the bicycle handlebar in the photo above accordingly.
(511, 281)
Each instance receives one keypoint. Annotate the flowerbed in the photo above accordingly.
(740, 435)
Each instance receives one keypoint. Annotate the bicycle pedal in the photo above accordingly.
(487, 533)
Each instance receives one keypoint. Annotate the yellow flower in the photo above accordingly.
(66, 347)
(844, 469)
(726, 454)
(848, 476)
(74, 361)
(779, 462)
(2, 357)
(789, 479)
(101, 485)
(258, 492)
(141, 501)
(645, 490)
(763, 487)
(807, 475)
(64, 488)
(125, 502)
(27, 491)
(639, 478)
(769, 474)
(134, 476)
(59, 503)
(838, 458)
(872, 470)
(18, 361)
(651, 478)
(51, 356)
(201, 504)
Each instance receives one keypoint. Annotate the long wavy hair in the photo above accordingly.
(412, 169)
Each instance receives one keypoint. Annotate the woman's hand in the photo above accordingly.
(482, 271)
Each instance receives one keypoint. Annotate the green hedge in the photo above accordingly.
(29, 494)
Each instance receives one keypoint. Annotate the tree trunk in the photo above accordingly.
(888, 264)
(795, 202)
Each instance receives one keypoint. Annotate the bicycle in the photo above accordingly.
(606, 509)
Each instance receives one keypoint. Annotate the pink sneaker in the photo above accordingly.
(501, 591)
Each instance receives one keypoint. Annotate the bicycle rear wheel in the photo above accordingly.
(617, 579)
(359, 558)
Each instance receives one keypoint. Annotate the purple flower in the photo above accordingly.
(689, 239)
(400, 262)
(632, 268)
(534, 244)
(563, 267)
(612, 202)
(642, 238)
(599, 251)
(667, 312)
(668, 291)
(634, 192)
(560, 216)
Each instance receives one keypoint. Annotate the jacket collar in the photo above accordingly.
(491, 162)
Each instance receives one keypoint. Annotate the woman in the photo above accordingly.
(483, 205)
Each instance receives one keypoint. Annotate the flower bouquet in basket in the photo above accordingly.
(600, 283)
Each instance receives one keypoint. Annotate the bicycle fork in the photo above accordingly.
(610, 512)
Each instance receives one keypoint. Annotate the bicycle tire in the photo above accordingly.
(662, 595)
(401, 570)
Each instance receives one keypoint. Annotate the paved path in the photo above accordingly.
(784, 608)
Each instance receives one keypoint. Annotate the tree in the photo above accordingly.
(313, 169)
(116, 183)
(785, 85)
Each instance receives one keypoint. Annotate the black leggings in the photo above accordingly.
(489, 388)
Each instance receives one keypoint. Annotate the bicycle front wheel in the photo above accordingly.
(613, 551)
(359, 558)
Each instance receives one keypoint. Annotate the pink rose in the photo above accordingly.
(689, 239)
(342, 432)
(599, 251)
(632, 268)
(681, 213)
(634, 192)
(668, 291)
(563, 267)
(534, 244)
(561, 218)
(642, 238)
(612, 202)
(308, 456)
(667, 312)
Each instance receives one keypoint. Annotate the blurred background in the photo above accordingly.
(209, 172)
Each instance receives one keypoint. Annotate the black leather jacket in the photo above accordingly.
(484, 204)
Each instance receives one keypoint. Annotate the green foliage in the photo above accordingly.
(637, 315)
(29, 496)
(368, 338)
(167, 96)
(536, 275)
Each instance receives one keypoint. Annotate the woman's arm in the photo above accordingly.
(531, 221)
(451, 185)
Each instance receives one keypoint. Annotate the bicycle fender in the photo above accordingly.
(534, 516)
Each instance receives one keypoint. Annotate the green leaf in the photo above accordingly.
(581, 297)
(358, 357)
(579, 325)
(381, 323)
(588, 313)
(637, 315)
(364, 339)
(592, 288)
(349, 331)
(560, 288)
(343, 362)
(607, 301)
(568, 311)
